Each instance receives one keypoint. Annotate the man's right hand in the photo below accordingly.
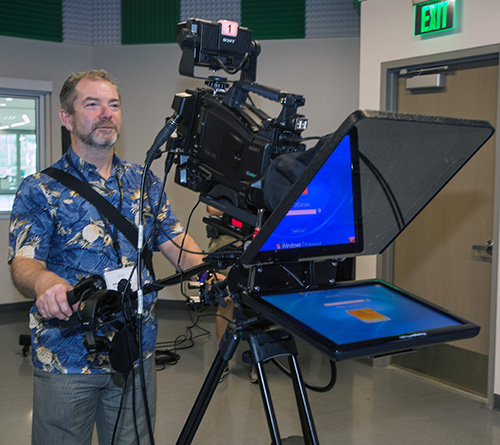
(53, 303)
(34, 281)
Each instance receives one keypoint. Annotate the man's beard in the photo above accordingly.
(95, 139)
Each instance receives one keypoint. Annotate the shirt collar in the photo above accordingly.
(90, 170)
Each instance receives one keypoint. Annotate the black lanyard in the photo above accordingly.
(114, 232)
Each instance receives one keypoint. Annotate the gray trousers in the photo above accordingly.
(66, 406)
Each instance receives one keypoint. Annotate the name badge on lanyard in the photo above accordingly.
(114, 276)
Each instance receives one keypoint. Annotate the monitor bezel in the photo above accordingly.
(368, 348)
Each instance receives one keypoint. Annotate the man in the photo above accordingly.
(57, 238)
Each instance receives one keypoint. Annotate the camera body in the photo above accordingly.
(224, 141)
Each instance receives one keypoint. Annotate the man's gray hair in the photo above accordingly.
(67, 96)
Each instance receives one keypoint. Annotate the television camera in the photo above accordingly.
(224, 141)
(352, 194)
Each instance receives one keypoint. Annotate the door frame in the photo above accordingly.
(385, 262)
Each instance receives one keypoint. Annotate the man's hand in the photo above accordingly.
(34, 281)
(53, 303)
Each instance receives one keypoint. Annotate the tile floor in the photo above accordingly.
(367, 405)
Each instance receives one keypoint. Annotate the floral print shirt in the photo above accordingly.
(54, 224)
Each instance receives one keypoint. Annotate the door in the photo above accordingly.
(442, 255)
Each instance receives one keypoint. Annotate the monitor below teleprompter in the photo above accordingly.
(360, 319)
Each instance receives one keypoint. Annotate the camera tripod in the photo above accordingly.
(266, 341)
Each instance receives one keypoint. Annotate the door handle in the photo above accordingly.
(487, 247)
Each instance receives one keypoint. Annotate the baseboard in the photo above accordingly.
(459, 367)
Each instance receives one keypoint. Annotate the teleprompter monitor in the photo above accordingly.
(366, 183)
(360, 319)
(321, 214)
(397, 163)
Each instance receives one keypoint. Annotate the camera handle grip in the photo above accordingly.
(80, 292)
(269, 92)
(262, 90)
(84, 287)
(71, 297)
(67, 326)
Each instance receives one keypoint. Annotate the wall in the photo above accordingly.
(325, 71)
(32, 59)
(387, 35)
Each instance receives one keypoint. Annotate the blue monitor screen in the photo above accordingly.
(324, 212)
(321, 214)
(360, 313)
(362, 318)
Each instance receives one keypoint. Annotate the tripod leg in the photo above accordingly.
(268, 405)
(227, 346)
(306, 418)
(273, 343)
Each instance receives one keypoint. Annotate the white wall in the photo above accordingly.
(387, 35)
(325, 71)
(32, 59)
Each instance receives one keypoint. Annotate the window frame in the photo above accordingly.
(40, 91)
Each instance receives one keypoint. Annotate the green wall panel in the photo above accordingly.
(149, 21)
(274, 19)
(32, 19)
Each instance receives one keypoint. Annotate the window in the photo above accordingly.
(22, 135)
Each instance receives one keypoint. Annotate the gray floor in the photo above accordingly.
(367, 405)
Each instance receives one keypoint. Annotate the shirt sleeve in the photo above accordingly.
(31, 225)
(167, 225)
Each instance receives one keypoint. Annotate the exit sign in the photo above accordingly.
(434, 16)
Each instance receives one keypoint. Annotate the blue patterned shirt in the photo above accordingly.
(52, 223)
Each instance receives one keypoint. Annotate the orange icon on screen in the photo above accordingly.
(367, 315)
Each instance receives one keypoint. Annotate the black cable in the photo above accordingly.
(202, 253)
(171, 356)
(140, 297)
(236, 241)
(295, 277)
(181, 249)
(328, 387)
(157, 211)
(158, 207)
(134, 412)
(143, 380)
(393, 202)
(164, 358)
(234, 70)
